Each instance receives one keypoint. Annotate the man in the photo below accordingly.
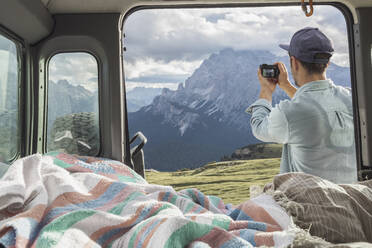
(316, 124)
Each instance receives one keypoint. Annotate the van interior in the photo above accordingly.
(103, 145)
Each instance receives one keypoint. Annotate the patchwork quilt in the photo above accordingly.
(60, 200)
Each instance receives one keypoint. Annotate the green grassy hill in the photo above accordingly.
(257, 151)
(229, 180)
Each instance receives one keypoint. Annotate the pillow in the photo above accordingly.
(338, 213)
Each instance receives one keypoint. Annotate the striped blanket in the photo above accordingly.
(59, 200)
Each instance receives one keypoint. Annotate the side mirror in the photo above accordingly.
(137, 155)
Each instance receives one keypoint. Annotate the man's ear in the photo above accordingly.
(291, 60)
(295, 63)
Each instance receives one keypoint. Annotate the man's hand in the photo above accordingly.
(283, 80)
(267, 86)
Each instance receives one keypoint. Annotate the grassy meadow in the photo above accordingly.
(229, 180)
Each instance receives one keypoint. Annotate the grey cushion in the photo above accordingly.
(338, 213)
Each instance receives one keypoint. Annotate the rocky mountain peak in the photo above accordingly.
(222, 87)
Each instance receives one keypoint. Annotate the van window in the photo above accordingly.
(189, 82)
(73, 116)
(9, 101)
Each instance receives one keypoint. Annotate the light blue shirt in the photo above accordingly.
(316, 127)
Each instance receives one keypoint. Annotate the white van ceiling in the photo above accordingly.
(121, 6)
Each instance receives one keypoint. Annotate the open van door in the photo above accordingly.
(363, 72)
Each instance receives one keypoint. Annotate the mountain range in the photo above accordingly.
(141, 96)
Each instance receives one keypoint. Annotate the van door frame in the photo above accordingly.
(349, 19)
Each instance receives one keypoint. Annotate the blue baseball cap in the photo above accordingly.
(308, 42)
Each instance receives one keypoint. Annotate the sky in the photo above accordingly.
(8, 56)
(165, 46)
(8, 65)
(77, 68)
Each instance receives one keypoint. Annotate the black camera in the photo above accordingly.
(269, 71)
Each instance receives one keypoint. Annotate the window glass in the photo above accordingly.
(9, 77)
(73, 115)
(190, 80)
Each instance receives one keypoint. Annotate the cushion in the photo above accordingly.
(338, 213)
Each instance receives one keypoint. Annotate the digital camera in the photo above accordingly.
(269, 71)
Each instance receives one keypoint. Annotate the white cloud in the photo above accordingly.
(190, 35)
(8, 63)
(341, 59)
(77, 68)
(242, 16)
(159, 70)
(157, 47)
(129, 85)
